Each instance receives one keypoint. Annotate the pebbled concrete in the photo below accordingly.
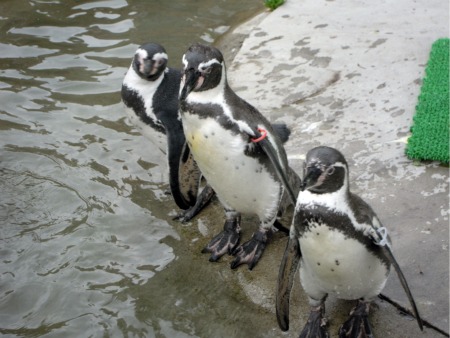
(348, 74)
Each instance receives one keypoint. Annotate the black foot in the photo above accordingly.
(316, 325)
(202, 201)
(281, 227)
(251, 251)
(357, 326)
(226, 241)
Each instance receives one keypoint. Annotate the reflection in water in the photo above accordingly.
(84, 230)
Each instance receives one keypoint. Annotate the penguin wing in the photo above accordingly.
(177, 169)
(378, 234)
(380, 237)
(188, 178)
(263, 139)
(286, 275)
(387, 251)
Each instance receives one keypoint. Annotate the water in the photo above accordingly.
(87, 244)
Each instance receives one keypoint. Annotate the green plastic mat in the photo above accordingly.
(430, 130)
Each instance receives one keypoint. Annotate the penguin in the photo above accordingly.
(237, 150)
(150, 93)
(341, 246)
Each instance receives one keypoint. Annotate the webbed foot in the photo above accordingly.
(250, 252)
(357, 326)
(226, 241)
(316, 325)
(202, 201)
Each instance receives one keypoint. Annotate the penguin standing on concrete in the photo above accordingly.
(150, 92)
(341, 246)
(237, 150)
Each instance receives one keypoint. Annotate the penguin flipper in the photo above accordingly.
(380, 237)
(388, 253)
(189, 177)
(271, 152)
(288, 268)
(177, 171)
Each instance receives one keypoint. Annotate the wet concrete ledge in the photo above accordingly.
(348, 75)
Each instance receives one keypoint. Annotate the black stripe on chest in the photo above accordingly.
(307, 218)
(134, 100)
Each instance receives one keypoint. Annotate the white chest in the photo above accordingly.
(156, 137)
(334, 263)
(241, 182)
(146, 90)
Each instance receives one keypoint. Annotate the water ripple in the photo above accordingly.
(52, 33)
(13, 51)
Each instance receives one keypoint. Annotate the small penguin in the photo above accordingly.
(341, 247)
(237, 150)
(150, 92)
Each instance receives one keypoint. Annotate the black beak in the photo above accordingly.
(147, 70)
(191, 77)
(148, 65)
(312, 174)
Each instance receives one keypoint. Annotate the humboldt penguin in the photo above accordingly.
(150, 92)
(341, 246)
(237, 150)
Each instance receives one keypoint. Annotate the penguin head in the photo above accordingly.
(204, 69)
(325, 171)
(150, 61)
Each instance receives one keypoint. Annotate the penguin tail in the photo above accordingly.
(282, 130)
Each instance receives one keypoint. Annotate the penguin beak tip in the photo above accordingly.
(190, 79)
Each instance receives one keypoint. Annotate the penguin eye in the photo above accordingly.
(330, 171)
(205, 70)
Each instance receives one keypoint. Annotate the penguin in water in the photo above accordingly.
(341, 247)
(150, 92)
(237, 150)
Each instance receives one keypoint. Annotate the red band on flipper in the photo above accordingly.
(262, 137)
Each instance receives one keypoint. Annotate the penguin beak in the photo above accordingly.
(154, 67)
(190, 80)
(311, 178)
(146, 67)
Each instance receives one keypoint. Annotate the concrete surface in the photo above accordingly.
(347, 74)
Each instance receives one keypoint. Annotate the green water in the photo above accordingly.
(87, 244)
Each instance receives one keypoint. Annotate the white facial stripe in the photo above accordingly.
(185, 62)
(215, 95)
(205, 65)
(159, 56)
(142, 53)
(318, 163)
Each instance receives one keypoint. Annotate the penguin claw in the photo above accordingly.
(224, 242)
(250, 252)
(202, 201)
(358, 324)
(316, 325)
(186, 215)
